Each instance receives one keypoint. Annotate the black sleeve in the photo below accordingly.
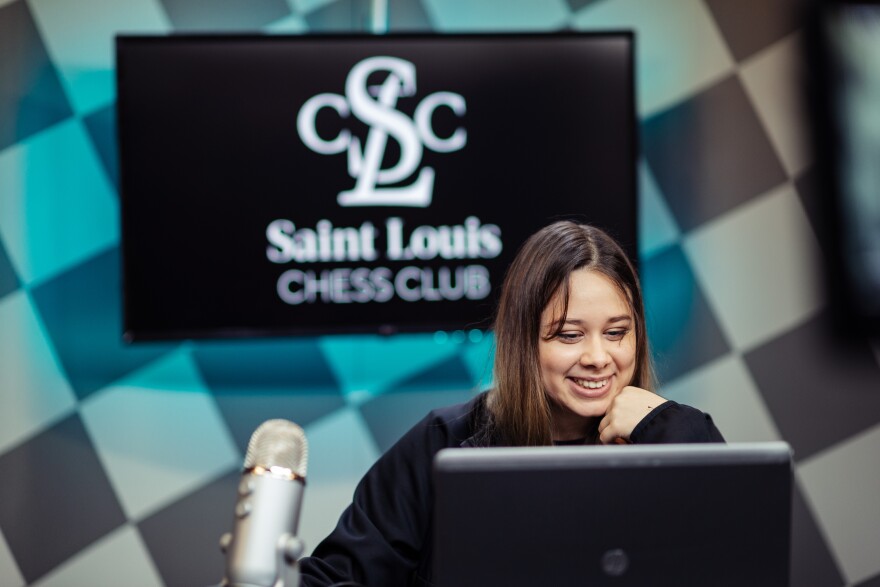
(380, 536)
(671, 422)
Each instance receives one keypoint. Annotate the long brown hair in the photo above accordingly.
(518, 405)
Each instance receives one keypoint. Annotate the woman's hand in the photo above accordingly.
(625, 411)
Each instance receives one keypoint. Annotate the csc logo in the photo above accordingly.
(375, 106)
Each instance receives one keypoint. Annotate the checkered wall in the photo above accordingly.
(118, 464)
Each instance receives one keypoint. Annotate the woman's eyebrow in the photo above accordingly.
(613, 319)
(621, 318)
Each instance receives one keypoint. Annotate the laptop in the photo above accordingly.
(623, 516)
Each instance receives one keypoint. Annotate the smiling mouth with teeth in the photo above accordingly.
(591, 384)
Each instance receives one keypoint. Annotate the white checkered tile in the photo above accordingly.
(119, 558)
(725, 390)
(341, 449)
(759, 267)
(10, 576)
(79, 39)
(774, 81)
(61, 214)
(159, 434)
(34, 390)
(678, 47)
(497, 15)
(842, 485)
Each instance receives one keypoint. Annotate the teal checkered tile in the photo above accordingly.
(478, 354)
(657, 227)
(58, 207)
(367, 365)
(683, 332)
(101, 126)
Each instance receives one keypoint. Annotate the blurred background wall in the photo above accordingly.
(118, 464)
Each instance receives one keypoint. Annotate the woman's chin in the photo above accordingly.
(582, 414)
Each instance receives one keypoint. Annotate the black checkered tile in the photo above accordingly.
(710, 154)
(819, 389)
(184, 538)
(751, 25)
(55, 498)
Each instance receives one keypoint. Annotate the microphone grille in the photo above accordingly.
(278, 443)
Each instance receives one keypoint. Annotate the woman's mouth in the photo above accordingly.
(591, 387)
(590, 383)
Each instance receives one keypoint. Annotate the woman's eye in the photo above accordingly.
(617, 334)
(569, 336)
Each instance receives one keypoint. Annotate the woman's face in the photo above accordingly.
(592, 358)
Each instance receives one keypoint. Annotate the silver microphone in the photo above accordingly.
(263, 549)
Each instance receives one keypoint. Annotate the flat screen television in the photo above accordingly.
(843, 49)
(282, 185)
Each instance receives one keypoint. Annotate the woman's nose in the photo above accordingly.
(594, 354)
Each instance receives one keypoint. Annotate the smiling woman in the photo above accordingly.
(572, 366)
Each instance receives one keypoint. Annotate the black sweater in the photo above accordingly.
(383, 539)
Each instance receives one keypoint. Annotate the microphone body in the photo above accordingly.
(263, 550)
